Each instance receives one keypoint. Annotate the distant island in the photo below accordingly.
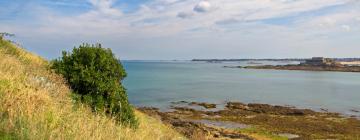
(274, 59)
(313, 64)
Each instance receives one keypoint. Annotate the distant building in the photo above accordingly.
(321, 61)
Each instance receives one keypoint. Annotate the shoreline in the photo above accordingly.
(255, 121)
(303, 68)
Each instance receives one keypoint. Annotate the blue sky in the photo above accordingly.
(186, 29)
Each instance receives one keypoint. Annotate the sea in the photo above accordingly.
(161, 83)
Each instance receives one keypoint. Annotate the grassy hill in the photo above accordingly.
(36, 104)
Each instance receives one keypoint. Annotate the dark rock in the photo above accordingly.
(205, 105)
(278, 110)
(234, 67)
(323, 109)
(179, 102)
(236, 105)
(184, 109)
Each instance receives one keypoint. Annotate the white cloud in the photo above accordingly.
(346, 27)
(200, 21)
(164, 16)
(105, 7)
(330, 22)
(203, 6)
(357, 18)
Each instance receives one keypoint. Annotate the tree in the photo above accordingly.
(95, 75)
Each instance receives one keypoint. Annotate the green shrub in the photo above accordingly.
(95, 75)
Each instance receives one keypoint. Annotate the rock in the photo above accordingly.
(233, 67)
(194, 130)
(179, 102)
(205, 105)
(279, 110)
(184, 109)
(323, 109)
(236, 105)
(224, 124)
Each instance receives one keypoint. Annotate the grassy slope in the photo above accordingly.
(36, 104)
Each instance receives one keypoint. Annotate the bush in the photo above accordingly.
(95, 75)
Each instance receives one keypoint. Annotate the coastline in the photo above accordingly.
(255, 121)
(303, 68)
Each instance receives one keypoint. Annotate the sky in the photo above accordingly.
(187, 29)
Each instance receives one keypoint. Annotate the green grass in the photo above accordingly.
(5, 136)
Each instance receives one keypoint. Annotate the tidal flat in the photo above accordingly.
(256, 121)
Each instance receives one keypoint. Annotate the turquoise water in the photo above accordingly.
(157, 84)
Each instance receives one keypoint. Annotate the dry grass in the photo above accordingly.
(36, 104)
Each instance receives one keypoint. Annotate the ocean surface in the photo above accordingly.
(158, 83)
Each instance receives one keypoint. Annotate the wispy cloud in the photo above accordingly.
(200, 21)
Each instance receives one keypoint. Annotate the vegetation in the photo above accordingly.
(36, 104)
(94, 74)
(3, 34)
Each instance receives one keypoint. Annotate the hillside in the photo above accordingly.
(37, 104)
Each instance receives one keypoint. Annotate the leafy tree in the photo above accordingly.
(95, 75)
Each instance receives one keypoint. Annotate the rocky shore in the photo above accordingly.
(256, 121)
(343, 68)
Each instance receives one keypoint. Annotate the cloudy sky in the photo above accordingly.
(186, 29)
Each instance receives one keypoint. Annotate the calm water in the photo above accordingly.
(159, 83)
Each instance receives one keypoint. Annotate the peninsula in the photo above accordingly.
(313, 64)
